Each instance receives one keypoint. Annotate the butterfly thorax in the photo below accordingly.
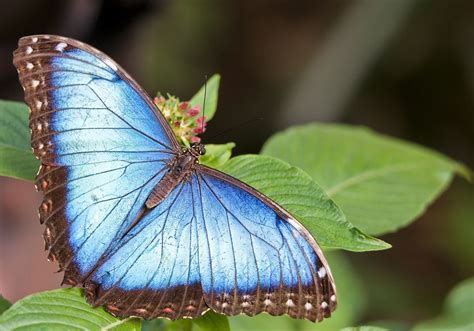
(180, 168)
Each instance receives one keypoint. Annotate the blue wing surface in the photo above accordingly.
(254, 256)
(154, 269)
(214, 242)
(102, 143)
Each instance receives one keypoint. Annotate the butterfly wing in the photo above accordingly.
(102, 143)
(154, 269)
(255, 257)
(215, 242)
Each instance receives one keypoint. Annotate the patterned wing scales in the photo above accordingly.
(102, 144)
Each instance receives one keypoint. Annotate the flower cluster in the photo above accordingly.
(183, 118)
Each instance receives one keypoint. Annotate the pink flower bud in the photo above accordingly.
(201, 120)
(195, 139)
(184, 105)
(194, 110)
(199, 129)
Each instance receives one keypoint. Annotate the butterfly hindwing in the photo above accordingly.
(154, 270)
(102, 144)
(255, 257)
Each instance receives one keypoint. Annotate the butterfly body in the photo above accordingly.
(136, 220)
(180, 169)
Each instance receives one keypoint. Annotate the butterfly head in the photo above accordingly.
(197, 149)
(183, 163)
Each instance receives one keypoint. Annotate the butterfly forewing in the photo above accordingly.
(212, 243)
(102, 145)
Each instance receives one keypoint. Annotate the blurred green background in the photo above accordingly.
(404, 68)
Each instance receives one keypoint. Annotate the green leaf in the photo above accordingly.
(4, 304)
(179, 325)
(212, 92)
(364, 328)
(458, 310)
(263, 322)
(460, 301)
(217, 155)
(381, 183)
(392, 325)
(16, 158)
(212, 321)
(59, 310)
(158, 324)
(293, 189)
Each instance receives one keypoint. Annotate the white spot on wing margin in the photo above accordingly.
(60, 47)
(322, 272)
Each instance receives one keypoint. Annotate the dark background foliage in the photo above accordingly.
(404, 68)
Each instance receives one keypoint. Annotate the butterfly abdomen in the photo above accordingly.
(180, 168)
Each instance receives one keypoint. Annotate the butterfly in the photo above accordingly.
(135, 219)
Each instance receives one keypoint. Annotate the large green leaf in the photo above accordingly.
(293, 189)
(16, 158)
(458, 310)
(380, 183)
(212, 91)
(63, 309)
(212, 321)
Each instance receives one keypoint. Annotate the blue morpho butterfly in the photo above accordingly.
(136, 220)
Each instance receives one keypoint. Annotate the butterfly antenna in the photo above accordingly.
(204, 104)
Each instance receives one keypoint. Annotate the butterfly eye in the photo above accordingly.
(178, 169)
(199, 148)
